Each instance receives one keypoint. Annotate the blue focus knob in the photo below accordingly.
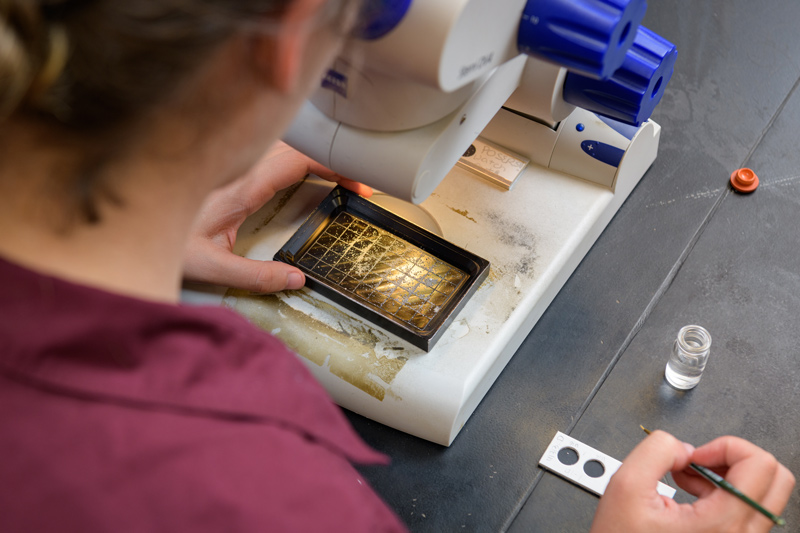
(634, 90)
(586, 36)
(376, 18)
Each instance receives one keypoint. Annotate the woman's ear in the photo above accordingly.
(280, 55)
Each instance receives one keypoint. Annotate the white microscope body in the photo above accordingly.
(400, 111)
(397, 113)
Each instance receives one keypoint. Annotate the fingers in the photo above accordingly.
(693, 483)
(222, 267)
(283, 166)
(263, 276)
(778, 494)
(753, 471)
(631, 502)
(356, 187)
(656, 455)
(750, 469)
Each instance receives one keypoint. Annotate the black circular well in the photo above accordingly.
(594, 468)
(568, 456)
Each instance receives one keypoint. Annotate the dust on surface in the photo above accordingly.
(350, 349)
(520, 240)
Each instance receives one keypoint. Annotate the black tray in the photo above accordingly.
(382, 267)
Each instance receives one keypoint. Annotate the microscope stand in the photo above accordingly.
(534, 236)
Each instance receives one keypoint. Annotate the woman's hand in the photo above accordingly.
(209, 256)
(631, 503)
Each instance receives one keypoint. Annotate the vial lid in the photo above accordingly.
(744, 180)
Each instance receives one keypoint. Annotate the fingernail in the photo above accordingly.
(689, 448)
(295, 280)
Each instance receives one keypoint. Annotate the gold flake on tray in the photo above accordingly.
(382, 270)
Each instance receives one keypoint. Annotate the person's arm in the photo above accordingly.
(209, 256)
(631, 503)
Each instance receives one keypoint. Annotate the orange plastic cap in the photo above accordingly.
(744, 180)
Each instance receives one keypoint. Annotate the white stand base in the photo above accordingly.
(534, 236)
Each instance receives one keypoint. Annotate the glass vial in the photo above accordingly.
(689, 357)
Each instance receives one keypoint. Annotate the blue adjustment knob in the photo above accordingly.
(378, 17)
(585, 36)
(634, 91)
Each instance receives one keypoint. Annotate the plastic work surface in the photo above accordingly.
(683, 249)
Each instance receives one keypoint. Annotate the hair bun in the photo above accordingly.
(23, 43)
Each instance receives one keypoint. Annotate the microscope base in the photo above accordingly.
(534, 236)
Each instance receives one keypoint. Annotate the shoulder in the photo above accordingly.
(161, 471)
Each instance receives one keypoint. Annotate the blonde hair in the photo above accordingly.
(90, 63)
(89, 68)
(21, 52)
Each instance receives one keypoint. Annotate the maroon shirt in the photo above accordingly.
(118, 414)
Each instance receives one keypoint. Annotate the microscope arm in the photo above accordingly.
(407, 164)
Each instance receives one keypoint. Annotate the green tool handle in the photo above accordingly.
(720, 482)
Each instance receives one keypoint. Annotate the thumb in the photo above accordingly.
(262, 276)
(230, 270)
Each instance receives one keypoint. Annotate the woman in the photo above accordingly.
(125, 126)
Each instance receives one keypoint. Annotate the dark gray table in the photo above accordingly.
(684, 249)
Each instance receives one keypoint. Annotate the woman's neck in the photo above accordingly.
(136, 247)
(135, 250)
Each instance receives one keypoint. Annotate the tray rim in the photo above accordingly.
(342, 200)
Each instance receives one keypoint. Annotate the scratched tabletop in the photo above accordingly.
(684, 249)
